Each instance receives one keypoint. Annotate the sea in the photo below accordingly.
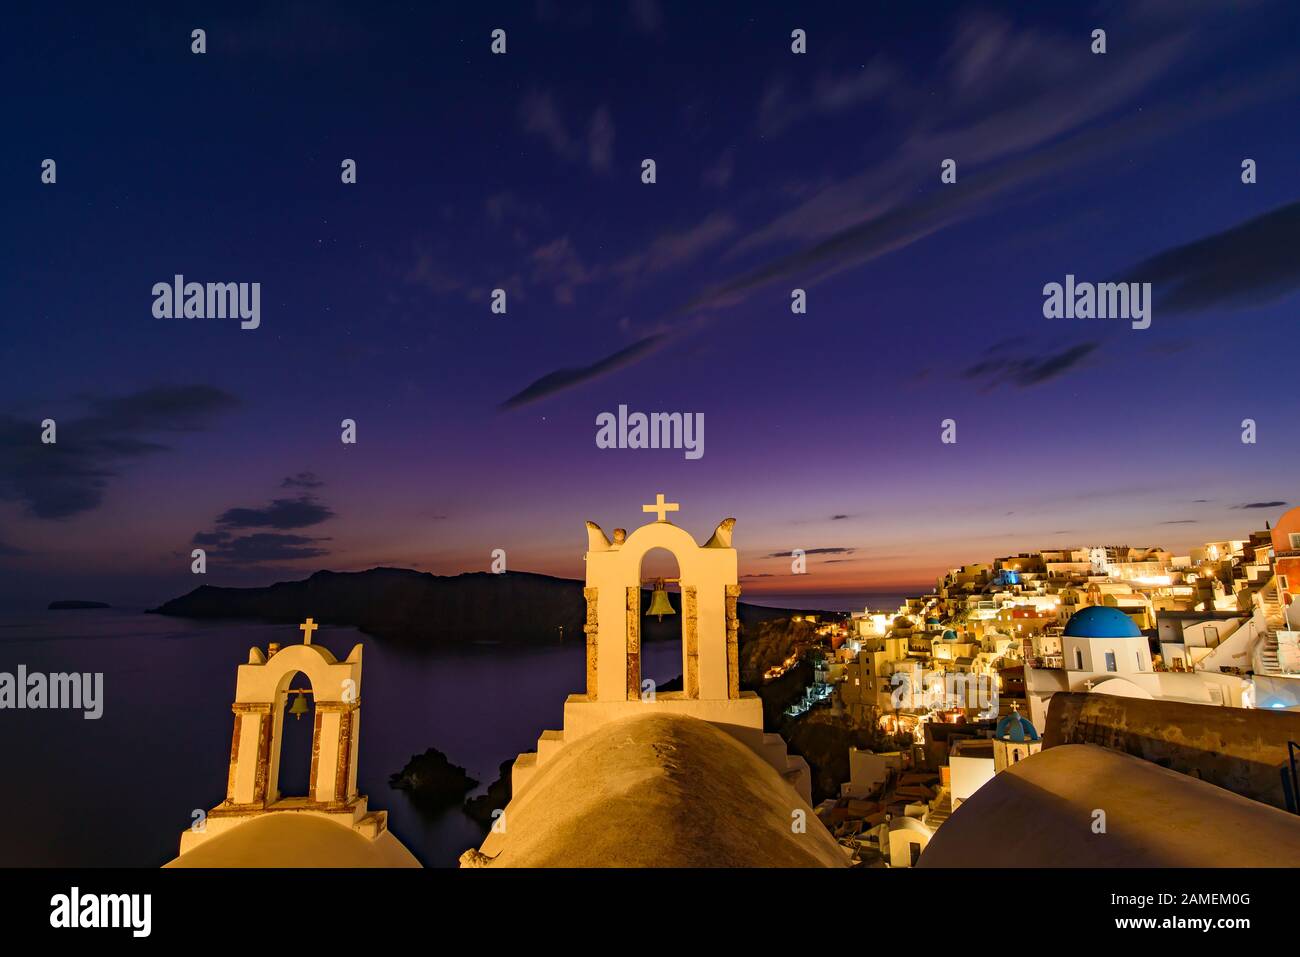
(119, 790)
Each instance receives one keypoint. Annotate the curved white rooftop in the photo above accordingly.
(295, 839)
(660, 790)
(1041, 812)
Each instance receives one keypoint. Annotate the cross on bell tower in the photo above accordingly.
(661, 508)
(307, 627)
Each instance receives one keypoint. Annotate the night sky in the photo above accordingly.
(775, 171)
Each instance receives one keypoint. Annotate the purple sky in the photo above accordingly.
(775, 171)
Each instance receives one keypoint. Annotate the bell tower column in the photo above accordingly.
(250, 754)
(733, 643)
(592, 630)
(691, 639)
(334, 776)
(634, 642)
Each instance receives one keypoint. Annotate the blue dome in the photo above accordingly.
(950, 635)
(1099, 621)
(1017, 728)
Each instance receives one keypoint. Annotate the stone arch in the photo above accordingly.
(709, 629)
(1120, 688)
(652, 566)
(260, 693)
(320, 666)
(677, 542)
(282, 727)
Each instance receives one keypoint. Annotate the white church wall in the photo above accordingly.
(1089, 654)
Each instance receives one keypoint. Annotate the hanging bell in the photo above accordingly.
(299, 706)
(659, 603)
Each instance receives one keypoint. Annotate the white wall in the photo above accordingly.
(968, 776)
(867, 771)
(1131, 654)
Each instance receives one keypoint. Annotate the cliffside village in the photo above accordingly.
(967, 674)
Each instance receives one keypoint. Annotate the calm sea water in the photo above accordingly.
(119, 791)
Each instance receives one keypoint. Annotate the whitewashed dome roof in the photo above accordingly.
(659, 790)
(296, 839)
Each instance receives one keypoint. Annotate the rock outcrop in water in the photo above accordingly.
(497, 797)
(432, 781)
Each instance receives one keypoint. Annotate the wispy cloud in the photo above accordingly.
(260, 547)
(429, 272)
(1025, 107)
(557, 266)
(1250, 264)
(1025, 370)
(302, 480)
(71, 476)
(541, 116)
(565, 378)
(281, 513)
(783, 105)
(813, 551)
(230, 541)
(674, 249)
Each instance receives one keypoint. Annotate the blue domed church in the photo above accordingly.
(1102, 651)
(1014, 739)
(1104, 640)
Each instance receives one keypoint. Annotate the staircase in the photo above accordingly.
(1274, 618)
(940, 810)
(1268, 654)
(1268, 597)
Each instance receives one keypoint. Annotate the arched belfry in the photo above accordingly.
(262, 693)
(710, 645)
(709, 590)
(263, 690)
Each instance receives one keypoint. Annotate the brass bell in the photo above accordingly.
(659, 603)
(299, 706)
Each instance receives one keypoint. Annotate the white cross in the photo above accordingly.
(307, 627)
(661, 507)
